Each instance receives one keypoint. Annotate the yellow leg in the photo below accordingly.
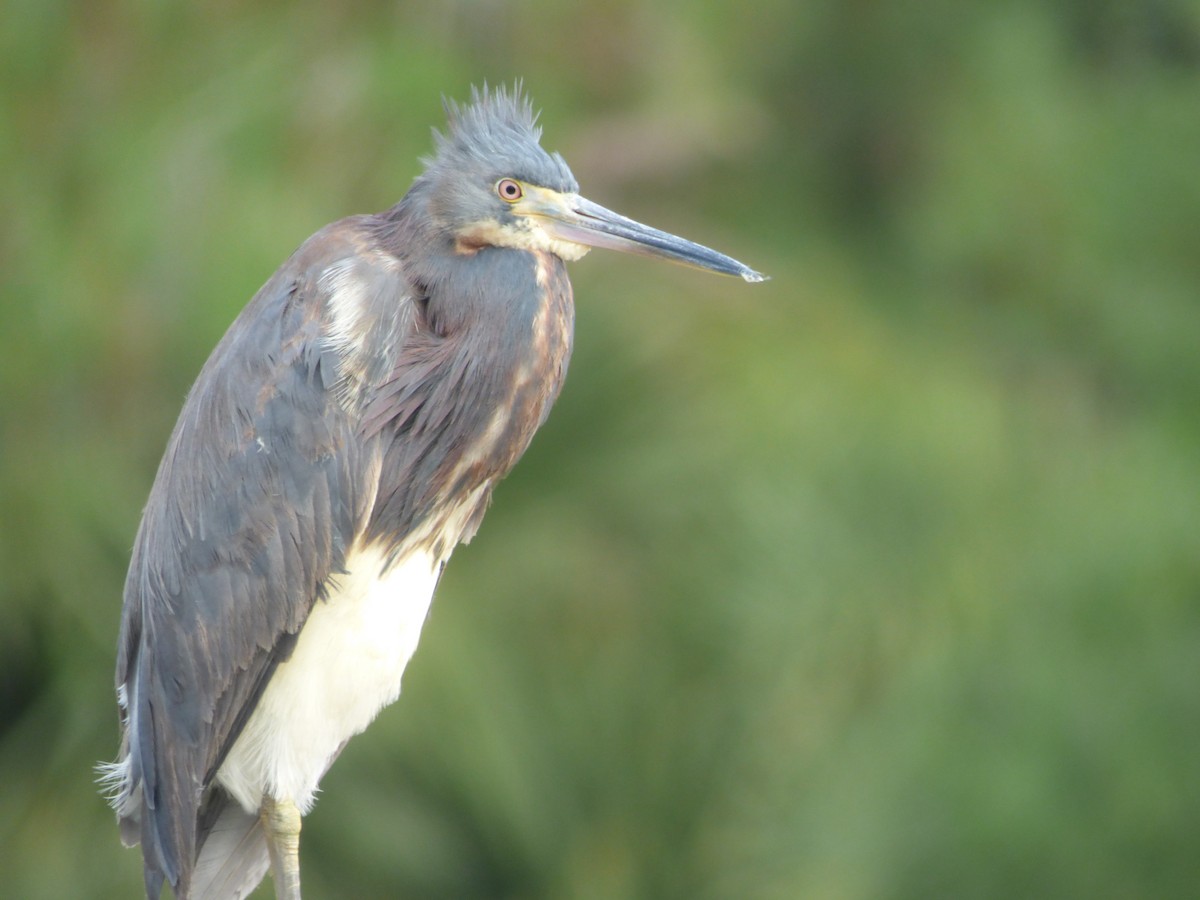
(281, 822)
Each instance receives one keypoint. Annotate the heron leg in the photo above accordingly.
(281, 822)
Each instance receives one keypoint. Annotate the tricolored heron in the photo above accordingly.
(345, 435)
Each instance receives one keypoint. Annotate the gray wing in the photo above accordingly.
(264, 486)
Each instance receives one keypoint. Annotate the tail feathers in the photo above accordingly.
(233, 855)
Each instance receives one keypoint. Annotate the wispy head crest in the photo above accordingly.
(499, 112)
(497, 130)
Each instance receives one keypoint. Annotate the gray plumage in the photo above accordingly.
(371, 395)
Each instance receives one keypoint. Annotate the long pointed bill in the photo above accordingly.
(569, 217)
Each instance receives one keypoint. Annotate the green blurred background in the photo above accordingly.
(879, 580)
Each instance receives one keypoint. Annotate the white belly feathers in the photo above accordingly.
(346, 666)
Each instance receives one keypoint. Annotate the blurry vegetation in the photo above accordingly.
(880, 580)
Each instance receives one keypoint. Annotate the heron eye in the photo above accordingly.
(509, 190)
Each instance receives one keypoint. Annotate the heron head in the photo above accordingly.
(491, 184)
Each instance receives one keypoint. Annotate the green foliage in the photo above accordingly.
(879, 580)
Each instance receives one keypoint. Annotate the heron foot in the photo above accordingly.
(281, 822)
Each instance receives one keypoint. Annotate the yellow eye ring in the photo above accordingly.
(509, 190)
